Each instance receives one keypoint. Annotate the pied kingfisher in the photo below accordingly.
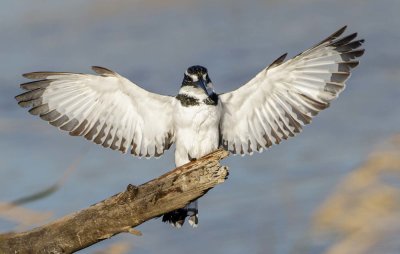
(110, 110)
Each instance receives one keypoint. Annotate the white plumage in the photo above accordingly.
(284, 97)
(196, 132)
(107, 109)
(110, 110)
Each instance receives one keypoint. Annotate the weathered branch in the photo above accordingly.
(121, 212)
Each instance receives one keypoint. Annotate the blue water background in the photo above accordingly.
(268, 203)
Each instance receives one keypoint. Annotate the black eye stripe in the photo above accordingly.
(187, 78)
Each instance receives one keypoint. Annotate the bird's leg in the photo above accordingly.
(191, 158)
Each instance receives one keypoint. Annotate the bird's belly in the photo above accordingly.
(197, 132)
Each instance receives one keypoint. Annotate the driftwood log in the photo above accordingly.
(123, 211)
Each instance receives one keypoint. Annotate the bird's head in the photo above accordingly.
(197, 77)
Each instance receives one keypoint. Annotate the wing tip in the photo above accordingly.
(337, 33)
(44, 74)
(104, 71)
(33, 75)
(342, 29)
(277, 61)
(334, 35)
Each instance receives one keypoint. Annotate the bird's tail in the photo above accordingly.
(177, 218)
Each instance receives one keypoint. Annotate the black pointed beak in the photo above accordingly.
(202, 84)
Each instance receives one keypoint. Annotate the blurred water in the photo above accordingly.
(267, 204)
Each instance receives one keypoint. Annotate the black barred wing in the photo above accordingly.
(107, 109)
(285, 96)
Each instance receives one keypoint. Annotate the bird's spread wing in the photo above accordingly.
(107, 109)
(284, 97)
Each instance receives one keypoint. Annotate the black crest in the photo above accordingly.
(195, 70)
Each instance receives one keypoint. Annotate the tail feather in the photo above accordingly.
(177, 218)
(193, 214)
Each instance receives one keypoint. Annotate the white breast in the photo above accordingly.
(196, 130)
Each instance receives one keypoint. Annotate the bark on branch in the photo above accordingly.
(123, 211)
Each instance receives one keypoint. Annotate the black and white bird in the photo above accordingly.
(110, 110)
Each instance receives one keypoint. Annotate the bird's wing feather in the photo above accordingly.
(285, 96)
(107, 109)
